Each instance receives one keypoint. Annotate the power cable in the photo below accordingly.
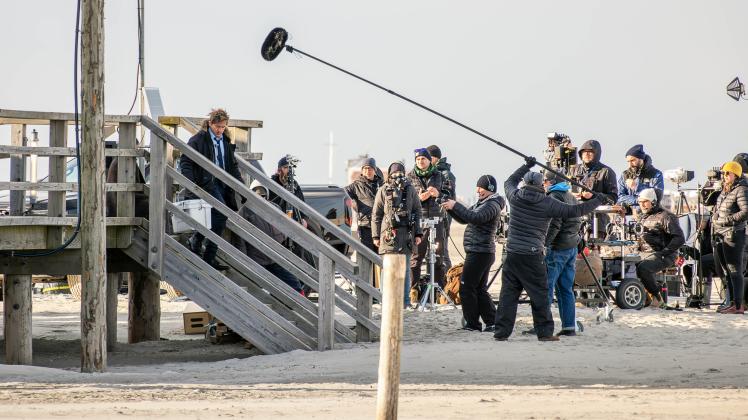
(77, 149)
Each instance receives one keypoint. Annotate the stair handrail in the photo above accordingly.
(305, 208)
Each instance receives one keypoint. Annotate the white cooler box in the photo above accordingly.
(197, 209)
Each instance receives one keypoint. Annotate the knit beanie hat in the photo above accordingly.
(395, 167)
(434, 151)
(423, 152)
(637, 151)
(370, 162)
(534, 179)
(487, 182)
(552, 177)
(283, 162)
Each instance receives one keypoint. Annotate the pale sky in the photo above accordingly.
(651, 72)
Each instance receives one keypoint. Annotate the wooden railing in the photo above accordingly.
(164, 145)
(330, 259)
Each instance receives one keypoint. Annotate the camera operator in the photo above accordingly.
(428, 182)
(449, 190)
(362, 192)
(285, 176)
(482, 219)
(524, 267)
(659, 241)
(728, 230)
(561, 244)
(593, 174)
(639, 176)
(396, 219)
(213, 142)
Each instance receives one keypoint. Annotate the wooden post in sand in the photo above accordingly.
(17, 312)
(93, 229)
(388, 385)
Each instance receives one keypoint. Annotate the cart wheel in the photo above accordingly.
(630, 294)
(463, 321)
(580, 327)
(597, 319)
(610, 317)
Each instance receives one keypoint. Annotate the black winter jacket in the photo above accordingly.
(362, 192)
(595, 175)
(662, 233)
(563, 233)
(731, 210)
(399, 240)
(531, 212)
(195, 173)
(283, 204)
(481, 218)
(449, 181)
(429, 208)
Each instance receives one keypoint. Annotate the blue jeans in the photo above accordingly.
(561, 267)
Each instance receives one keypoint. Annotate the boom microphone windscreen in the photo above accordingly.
(274, 43)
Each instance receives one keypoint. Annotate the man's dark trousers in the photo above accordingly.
(364, 235)
(217, 225)
(526, 272)
(476, 302)
(646, 269)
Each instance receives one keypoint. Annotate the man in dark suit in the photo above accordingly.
(213, 143)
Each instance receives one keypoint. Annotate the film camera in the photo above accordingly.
(712, 185)
(293, 161)
(401, 217)
(678, 175)
(560, 153)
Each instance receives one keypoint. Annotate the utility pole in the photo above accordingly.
(93, 229)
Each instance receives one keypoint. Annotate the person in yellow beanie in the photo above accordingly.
(728, 230)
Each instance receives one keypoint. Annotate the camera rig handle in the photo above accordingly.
(276, 42)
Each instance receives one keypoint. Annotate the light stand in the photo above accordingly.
(429, 295)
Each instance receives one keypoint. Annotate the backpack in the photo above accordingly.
(452, 288)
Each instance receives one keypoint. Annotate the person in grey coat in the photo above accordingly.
(362, 192)
(524, 267)
(396, 219)
(482, 219)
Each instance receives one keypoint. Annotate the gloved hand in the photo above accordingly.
(530, 161)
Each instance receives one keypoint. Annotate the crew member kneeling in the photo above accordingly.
(660, 240)
(481, 218)
(524, 267)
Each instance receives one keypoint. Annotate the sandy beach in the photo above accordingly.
(648, 364)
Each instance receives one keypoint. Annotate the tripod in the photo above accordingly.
(432, 287)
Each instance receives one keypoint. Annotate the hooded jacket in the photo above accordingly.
(429, 208)
(595, 175)
(646, 177)
(399, 240)
(531, 214)
(731, 211)
(362, 192)
(482, 219)
(195, 173)
(563, 233)
(662, 233)
(449, 180)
